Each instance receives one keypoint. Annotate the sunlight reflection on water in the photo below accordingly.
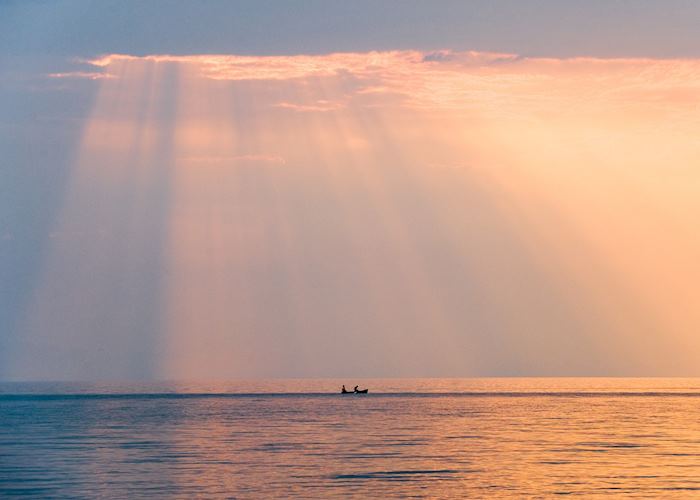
(557, 439)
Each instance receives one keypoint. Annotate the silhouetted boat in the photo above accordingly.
(363, 391)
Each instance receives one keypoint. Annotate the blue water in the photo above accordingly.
(477, 438)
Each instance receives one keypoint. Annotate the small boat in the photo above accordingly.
(355, 391)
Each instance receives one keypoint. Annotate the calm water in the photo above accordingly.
(477, 438)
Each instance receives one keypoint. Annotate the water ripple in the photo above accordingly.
(508, 444)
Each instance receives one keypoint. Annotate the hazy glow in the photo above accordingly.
(385, 213)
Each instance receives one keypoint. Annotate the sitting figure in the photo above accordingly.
(343, 390)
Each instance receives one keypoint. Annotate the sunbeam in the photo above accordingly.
(386, 212)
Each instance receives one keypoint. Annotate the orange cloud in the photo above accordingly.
(502, 86)
(477, 69)
(319, 105)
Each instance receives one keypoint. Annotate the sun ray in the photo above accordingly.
(456, 211)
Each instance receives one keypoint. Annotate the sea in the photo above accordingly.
(407, 438)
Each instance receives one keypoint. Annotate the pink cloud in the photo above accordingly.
(442, 78)
(88, 75)
(320, 105)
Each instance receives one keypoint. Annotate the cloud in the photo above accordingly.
(438, 56)
(86, 75)
(239, 160)
(236, 67)
(469, 57)
(261, 158)
(320, 105)
(461, 79)
(497, 84)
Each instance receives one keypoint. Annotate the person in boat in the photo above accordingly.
(343, 390)
(356, 391)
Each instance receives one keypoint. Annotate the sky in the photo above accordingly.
(218, 190)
